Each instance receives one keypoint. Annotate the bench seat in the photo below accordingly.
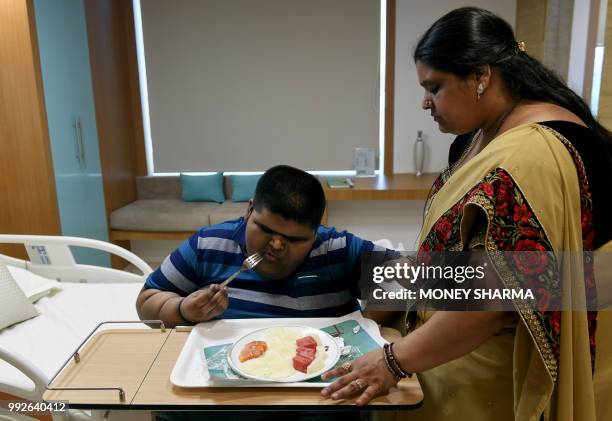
(162, 215)
(159, 213)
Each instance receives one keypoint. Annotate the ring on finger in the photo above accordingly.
(359, 384)
(347, 367)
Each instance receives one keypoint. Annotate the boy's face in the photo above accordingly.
(283, 243)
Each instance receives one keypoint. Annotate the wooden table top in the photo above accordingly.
(141, 361)
(383, 187)
(157, 390)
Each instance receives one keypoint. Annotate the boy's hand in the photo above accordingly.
(205, 304)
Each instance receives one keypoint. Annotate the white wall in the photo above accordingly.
(398, 221)
(413, 19)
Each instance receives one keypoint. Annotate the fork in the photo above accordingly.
(248, 264)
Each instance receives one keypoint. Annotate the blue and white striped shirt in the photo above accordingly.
(324, 285)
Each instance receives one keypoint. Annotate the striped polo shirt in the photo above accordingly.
(325, 284)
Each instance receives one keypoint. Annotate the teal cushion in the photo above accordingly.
(243, 187)
(202, 188)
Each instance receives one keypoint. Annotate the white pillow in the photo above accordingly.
(34, 286)
(14, 305)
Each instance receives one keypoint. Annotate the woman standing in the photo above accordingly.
(528, 172)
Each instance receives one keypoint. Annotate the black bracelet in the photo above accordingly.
(393, 373)
(395, 363)
(181, 313)
(388, 360)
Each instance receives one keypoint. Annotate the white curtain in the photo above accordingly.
(241, 85)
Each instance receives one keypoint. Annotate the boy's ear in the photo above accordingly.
(250, 208)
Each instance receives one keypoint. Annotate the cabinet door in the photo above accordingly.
(66, 73)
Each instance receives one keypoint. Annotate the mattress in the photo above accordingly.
(65, 319)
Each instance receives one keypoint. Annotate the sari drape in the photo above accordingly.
(529, 187)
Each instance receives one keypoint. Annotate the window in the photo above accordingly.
(241, 85)
(597, 70)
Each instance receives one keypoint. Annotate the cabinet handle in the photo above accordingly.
(82, 159)
(77, 143)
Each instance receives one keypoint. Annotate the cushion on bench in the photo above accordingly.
(168, 187)
(158, 187)
(159, 208)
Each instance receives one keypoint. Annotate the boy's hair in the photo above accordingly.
(291, 193)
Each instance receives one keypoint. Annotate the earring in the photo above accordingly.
(479, 90)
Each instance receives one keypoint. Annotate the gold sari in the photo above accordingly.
(544, 364)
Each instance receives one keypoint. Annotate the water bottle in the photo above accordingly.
(419, 153)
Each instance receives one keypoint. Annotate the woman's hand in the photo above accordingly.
(367, 377)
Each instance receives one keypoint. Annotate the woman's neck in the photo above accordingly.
(492, 128)
(487, 133)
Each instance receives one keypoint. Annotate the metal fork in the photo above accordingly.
(248, 264)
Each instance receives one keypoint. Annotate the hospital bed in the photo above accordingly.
(79, 298)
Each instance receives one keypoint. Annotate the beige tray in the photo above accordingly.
(117, 358)
(140, 362)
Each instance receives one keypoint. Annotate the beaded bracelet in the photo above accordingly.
(396, 373)
(394, 363)
(393, 373)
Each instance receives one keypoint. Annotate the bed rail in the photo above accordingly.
(51, 257)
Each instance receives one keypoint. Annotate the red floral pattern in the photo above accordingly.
(515, 227)
(530, 261)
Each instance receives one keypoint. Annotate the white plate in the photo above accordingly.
(191, 369)
(333, 353)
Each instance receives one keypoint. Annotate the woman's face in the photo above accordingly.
(452, 100)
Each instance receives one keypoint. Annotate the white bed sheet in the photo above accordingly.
(65, 319)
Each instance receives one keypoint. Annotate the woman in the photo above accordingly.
(528, 172)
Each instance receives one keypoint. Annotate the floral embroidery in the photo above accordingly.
(513, 226)
(588, 236)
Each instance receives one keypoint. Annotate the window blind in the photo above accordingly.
(241, 85)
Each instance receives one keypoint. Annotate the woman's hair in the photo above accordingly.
(464, 40)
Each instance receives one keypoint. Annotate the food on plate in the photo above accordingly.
(306, 342)
(305, 353)
(318, 363)
(287, 352)
(253, 349)
(301, 363)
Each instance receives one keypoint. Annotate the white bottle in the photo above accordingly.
(419, 153)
